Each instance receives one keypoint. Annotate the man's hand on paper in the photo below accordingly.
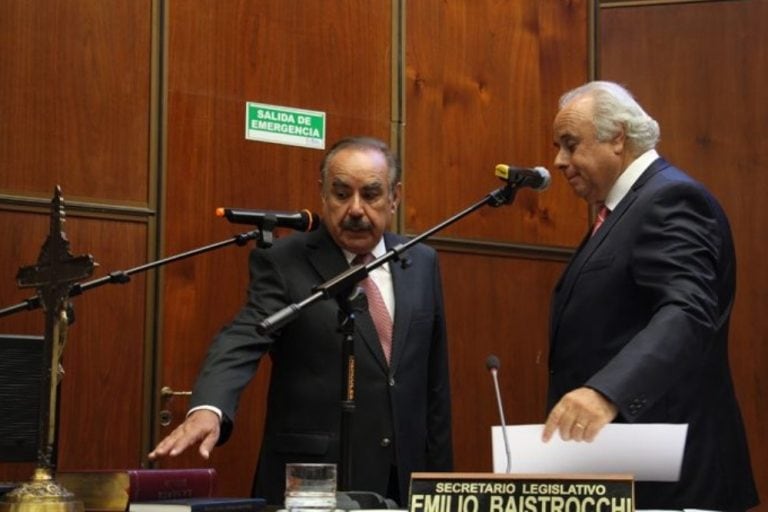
(579, 416)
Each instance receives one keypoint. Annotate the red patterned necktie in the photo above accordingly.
(377, 308)
(602, 213)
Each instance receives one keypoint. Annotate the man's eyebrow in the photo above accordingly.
(373, 185)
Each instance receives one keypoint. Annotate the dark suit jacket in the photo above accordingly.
(402, 415)
(641, 315)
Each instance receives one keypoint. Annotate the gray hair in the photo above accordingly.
(363, 144)
(615, 107)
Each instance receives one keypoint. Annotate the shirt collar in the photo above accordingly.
(377, 251)
(629, 177)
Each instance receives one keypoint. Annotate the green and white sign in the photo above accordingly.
(285, 125)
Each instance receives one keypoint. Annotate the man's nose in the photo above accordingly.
(561, 161)
(356, 206)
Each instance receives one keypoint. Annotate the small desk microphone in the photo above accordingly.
(492, 363)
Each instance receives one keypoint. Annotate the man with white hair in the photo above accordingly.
(639, 319)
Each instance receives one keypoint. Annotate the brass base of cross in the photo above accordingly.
(41, 494)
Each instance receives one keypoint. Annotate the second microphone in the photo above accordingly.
(303, 220)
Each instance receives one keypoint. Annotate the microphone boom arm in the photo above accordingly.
(124, 276)
(344, 280)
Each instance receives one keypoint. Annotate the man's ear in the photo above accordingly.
(396, 195)
(619, 142)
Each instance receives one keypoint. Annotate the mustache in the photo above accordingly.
(356, 224)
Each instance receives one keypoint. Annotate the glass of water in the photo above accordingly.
(310, 487)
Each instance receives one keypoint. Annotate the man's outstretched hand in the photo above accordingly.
(202, 426)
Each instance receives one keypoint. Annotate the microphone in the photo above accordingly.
(537, 178)
(492, 363)
(303, 220)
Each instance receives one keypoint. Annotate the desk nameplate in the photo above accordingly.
(502, 492)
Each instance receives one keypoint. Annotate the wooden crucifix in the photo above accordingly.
(52, 276)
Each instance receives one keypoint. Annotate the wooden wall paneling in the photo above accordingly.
(101, 394)
(707, 94)
(328, 56)
(483, 79)
(495, 305)
(75, 111)
(74, 87)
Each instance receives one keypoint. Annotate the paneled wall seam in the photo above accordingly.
(157, 130)
(636, 3)
(397, 125)
(76, 208)
(593, 63)
(507, 250)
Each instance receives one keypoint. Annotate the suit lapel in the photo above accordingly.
(589, 244)
(403, 307)
(324, 255)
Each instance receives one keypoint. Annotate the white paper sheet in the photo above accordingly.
(647, 451)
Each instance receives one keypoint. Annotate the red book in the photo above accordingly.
(115, 489)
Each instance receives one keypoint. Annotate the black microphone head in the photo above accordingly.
(492, 362)
(537, 178)
(313, 220)
(546, 178)
(303, 220)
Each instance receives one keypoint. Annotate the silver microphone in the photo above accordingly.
(492, 363)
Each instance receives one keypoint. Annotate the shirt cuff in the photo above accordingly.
(211, 408)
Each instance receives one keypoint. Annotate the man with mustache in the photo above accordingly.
(402, 417)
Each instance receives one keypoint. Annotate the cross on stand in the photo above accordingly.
(52, 276)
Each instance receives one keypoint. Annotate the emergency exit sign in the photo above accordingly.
(285, 125)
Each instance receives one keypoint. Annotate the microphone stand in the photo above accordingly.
(344, 282)
(349, 306)
(263, 237)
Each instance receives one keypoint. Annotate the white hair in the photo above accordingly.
(616, 108)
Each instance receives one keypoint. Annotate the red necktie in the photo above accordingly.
(602, 213)
(377, 308)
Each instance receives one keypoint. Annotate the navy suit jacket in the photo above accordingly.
(402, 411)
(641, 315)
